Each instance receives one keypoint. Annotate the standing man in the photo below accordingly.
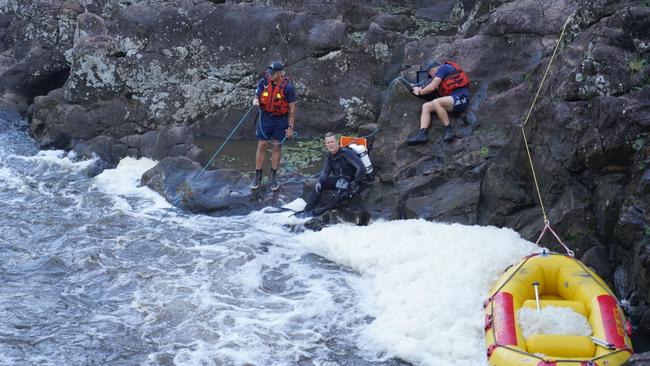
(276, 98)
(452, 85)
(342, 172)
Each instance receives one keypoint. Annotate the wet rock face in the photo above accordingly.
(142, 78)
(185, 184)
(640, 359)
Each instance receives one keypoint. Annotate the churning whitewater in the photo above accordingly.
(92, 275)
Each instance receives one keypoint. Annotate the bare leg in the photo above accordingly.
(260, 154)
(441, 106)
(425, 116)
(276, 154)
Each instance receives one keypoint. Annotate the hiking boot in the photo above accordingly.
(274, 180)
(420, 138)
(449, 134)
(257, 179)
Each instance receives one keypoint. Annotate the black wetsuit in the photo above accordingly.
(344, 164)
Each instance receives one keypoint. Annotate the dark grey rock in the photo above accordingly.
(639, 359)
(184, 184)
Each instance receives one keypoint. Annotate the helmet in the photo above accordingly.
(432, 64)
(274, 67)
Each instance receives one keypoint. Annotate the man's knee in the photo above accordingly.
(447, 103)
(429, 106)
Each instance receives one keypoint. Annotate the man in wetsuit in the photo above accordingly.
(452, 85)
(342, 173)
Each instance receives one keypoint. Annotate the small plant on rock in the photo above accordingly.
(484, 152)
(639, 144)
(637, 64)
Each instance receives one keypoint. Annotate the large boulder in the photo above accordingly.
(184, 184)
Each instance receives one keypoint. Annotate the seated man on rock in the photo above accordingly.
(342, 173)
(452, 85)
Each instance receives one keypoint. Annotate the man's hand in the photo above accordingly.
(353, 187)
(289, 132)
(416, 90)
(256, 101)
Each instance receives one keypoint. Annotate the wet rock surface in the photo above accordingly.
(185, 184)
(144, 78)
(641, 359)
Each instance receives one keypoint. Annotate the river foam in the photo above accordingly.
(424, 283)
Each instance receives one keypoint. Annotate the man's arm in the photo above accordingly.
(429, 88)
(292, 119)
(354, 160)
(258, 91)
(325, 172)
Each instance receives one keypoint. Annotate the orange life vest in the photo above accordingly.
(453, 81)
(273, 99)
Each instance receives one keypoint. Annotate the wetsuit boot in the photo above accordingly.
(420, 138)
(274, 180)
(449, 134)
(257, 179)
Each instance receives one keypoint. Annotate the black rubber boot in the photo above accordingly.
(274, 180)
(420, 138)
(449, 134)
(257, 179)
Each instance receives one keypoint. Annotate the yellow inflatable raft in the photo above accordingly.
(560, 281)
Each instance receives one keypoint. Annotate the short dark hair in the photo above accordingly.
(329, 134)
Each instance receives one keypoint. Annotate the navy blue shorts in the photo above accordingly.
(460, 103)
(273, 130)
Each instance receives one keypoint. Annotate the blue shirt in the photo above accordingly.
(446, 70)
(289, 93)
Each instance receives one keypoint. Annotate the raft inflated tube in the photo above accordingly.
(563, 282)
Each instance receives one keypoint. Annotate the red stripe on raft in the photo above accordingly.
(612, 321)
(544, 363)
(503, 319)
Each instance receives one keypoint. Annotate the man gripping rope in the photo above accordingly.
(276, 98)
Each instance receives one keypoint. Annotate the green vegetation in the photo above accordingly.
(639, 143)
(303, 154)
(484, 152)
(425, 28)
(357, 37)
(645, 3)
(393, 9)
(637, 64)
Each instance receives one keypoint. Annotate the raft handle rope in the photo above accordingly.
(177, 199)
(547, 225)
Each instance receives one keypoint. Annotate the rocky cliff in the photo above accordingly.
(144, 78)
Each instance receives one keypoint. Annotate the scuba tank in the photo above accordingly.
(362, 153)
